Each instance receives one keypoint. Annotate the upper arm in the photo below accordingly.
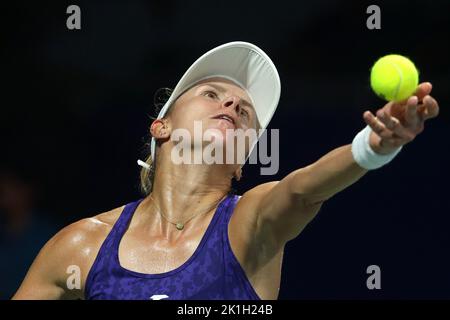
(47, 276)
(284, 208)
(43, 277)
(280, 214)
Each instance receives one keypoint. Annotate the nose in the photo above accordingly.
(233, 102)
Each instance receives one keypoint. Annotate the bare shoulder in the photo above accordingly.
(85, 233)
(79, 242)
(75, 245)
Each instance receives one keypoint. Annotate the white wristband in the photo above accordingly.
(365, 156)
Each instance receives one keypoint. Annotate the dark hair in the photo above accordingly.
(147, 175)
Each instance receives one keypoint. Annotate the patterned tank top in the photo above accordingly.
(212, 272)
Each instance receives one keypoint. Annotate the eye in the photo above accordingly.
(210, 94)
(245, 113)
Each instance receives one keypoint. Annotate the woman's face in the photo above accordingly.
(215, 103)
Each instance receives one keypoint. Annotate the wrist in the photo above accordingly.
(365, 156)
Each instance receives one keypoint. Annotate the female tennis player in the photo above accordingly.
(190, 237)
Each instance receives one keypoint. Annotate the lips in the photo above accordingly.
(226, 117)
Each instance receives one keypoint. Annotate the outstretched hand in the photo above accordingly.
(398, 123)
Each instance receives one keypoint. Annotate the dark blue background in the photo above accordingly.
(76, 104)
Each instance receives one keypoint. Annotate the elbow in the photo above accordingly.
(315, 199)
(305, 191)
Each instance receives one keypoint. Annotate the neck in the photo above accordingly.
(182, 191)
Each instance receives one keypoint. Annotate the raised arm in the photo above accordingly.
(284, 208)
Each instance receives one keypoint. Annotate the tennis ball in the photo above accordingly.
(394, 77)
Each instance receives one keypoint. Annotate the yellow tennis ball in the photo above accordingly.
(394, 77)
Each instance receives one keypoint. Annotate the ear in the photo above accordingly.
(159, 129)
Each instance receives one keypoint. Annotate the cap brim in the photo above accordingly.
(241, 62)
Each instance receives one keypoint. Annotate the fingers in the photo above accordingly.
(394, 125)
(387, 138)
(429, 109)
(423, 90)
(411, 115)
(433, 107)
(377, 125)
(398, 123)
(389, 122)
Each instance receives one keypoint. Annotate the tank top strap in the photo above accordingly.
(229, 208)
(105, 256)
(121, 225)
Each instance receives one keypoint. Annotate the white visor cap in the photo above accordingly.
(241, 62)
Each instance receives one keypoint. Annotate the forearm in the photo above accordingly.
(329, 175)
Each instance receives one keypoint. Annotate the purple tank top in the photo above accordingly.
(212, 272)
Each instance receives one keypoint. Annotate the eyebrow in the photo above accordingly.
(223, 90)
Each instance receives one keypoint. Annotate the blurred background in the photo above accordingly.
(76, 104)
